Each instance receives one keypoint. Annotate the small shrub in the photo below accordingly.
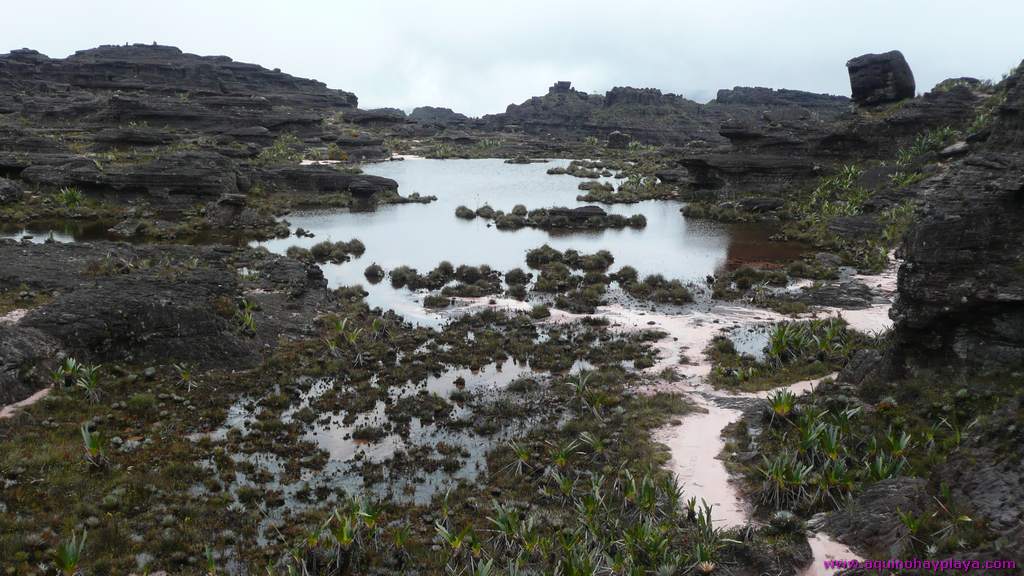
(286, 149)
(374, 273)
(517, 277)
(436, 301)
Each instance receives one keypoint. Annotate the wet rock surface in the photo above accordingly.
(871, 521)
(961, 287)
(116, 302)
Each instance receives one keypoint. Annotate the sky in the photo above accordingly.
(477, 56)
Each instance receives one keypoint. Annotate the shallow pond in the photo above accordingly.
(423, 235)
(56, 231)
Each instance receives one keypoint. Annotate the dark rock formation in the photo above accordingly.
(436, 115)
(161, 84)
(26, 355)
(761, 204)
(655, 117)
(171, 130)
(123, 303)
(198, 173)
(376, 117)
(994, 483)
(798, 137)
(961, 287)
(10, 192)
(871, 522)
(619, 140)
(880, 78)
(324, 179)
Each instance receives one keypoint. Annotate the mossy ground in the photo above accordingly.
(167, 489)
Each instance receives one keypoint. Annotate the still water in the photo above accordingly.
(423, 235)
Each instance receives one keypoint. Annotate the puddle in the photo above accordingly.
(417, 458)
(751, 340)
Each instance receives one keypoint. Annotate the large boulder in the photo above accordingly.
(880, 78)
(619, 140)
(25, 357)
(10, 192)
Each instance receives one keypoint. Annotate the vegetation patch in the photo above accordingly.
(818, 451)
(794, 351)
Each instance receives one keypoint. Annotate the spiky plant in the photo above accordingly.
(93, 444)
(66, 373)
(89, 381)
(898, 442)
(71, 197)
(884, 466)
(562, 452)
(247, 322)
(522, 457)
(781, 403)
(831, 442)
(68, 554)
(186, 376)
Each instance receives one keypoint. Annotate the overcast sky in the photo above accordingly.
(477, 56)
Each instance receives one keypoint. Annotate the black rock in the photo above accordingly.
(880, 78)
(10, 192)
(25, 358)
(436, 115)
(619, 140)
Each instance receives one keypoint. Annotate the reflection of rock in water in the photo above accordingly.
(747, 245)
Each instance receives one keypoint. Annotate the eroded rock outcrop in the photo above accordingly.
(148, 128)
(961, 288)
(113, 302)
(654, 117)
(26, 355)
(437, 115)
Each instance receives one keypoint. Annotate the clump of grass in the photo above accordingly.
(656, 288)
(436, 301)
(286, 149)
(539, 312)
(70, 197)
(246, 317)
(795, 351)
(336, 252)
(374, 273)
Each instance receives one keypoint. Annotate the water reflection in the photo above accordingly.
(422, 236)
